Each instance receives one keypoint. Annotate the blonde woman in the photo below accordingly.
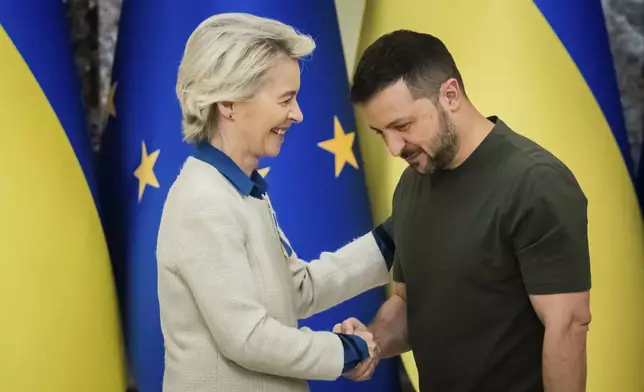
(230, 288)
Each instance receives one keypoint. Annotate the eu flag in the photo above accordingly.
(317, 184)
(60, 329)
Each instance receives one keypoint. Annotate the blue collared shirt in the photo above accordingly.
(355, 348)
(254, 186)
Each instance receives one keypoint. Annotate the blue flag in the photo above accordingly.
(316, 183)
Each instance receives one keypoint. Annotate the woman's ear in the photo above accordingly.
(226, 108)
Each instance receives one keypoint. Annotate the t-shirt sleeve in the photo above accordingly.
(397, 273)
(550, 231)
(396, 269)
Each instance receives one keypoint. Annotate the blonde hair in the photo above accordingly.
(225, 59)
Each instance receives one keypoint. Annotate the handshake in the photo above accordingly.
(364, 370)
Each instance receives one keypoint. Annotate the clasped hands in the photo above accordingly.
(364, 370)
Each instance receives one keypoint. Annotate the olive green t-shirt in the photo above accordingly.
(472, 244)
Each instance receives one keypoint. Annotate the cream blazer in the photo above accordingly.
(230, 297)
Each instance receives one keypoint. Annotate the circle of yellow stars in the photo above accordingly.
(341, 146)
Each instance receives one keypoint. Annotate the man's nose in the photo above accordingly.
(395, 144)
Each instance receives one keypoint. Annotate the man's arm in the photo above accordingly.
(389, 327)
(551, 245)
(566, 318)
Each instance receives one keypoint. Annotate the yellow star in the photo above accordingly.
(341, 146)
(111, 109)
(264, 172)
(145, 171)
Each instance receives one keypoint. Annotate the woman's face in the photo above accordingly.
(263, 121)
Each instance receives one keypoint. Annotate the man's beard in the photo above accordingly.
(447, 142)
(444, 146)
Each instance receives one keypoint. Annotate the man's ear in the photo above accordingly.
(452, 93)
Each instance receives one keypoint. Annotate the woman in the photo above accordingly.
(230, 288)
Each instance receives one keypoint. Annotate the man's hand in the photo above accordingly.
(349, 326)
(365, 369)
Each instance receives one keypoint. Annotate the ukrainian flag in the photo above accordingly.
(317, 183)
(545, 67)
(60, 329)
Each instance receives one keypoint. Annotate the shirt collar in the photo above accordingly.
(255, 185)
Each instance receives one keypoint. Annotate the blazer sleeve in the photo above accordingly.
(215, 265)
(338, 276)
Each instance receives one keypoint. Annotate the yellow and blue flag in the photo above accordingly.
(581, 29)
(317, 182)
(60, 329)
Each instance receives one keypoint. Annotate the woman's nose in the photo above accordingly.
(295, 114)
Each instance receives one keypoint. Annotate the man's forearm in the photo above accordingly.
(389, 327)
(564, 360)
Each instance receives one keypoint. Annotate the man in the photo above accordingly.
(491, 272)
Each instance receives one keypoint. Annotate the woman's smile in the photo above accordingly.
(279, 130)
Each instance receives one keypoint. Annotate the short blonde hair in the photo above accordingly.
(225, 59)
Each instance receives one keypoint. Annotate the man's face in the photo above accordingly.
(416, 130)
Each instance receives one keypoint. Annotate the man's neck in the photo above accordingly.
(472, 129)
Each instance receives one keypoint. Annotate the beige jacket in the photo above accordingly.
(230, 298)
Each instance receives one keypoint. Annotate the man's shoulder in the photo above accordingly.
(526, 155)
(538, 171)
(531, 171)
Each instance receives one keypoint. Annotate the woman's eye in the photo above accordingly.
(286, 102)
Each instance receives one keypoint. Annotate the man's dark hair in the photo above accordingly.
(421, 60)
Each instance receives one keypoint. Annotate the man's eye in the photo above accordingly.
(404, 127)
